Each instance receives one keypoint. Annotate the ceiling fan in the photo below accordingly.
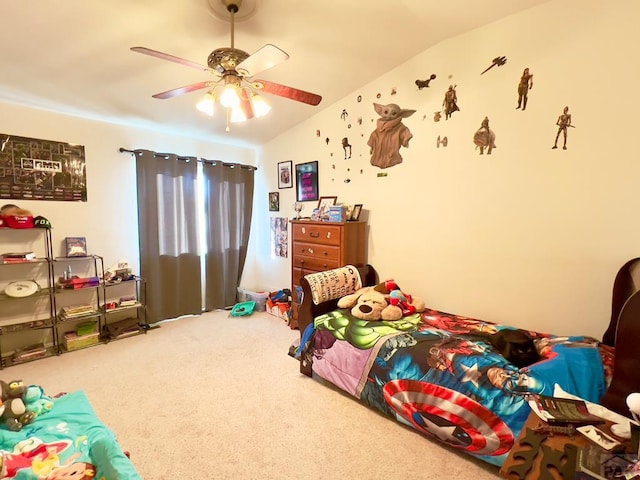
(235, 70)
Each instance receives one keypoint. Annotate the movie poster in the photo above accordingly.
(32, 169)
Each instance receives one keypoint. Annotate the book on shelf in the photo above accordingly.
(563, 411)
(74, 311)
(11, 257)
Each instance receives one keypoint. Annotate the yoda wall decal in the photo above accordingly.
(390, 134)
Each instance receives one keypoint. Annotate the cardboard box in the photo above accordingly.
(337, 213)
(72, 341)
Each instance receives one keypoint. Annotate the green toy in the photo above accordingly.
(36, 401)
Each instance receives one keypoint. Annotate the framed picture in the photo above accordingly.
(355, 213)
(75, 246)
(325, 202)
(274, 202)
(307, 181)
(285, 174)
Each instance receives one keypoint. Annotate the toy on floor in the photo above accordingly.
(15, 414)
(36, 401)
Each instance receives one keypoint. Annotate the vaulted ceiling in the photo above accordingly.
(74, 57)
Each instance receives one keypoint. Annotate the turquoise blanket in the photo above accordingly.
(69, 441)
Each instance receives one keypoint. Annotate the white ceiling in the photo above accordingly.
(74, 57)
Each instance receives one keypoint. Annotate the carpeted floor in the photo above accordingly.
(217, 397)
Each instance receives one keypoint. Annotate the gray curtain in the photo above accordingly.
(228, 206)
(169, 259)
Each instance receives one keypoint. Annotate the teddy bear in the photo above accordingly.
(36, 401)
(15, 414)
(370, 303)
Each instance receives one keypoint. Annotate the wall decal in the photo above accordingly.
(327, 140)
(450, 102)
(425, 83)
(359, 99)
(563, 122)
(437, 116)
(344, 114)
(36, 169)
(485, 137)
(394, 90)
(526, 84)
(444, 141)
(390, 134)
(378, 95)
(499, 61)
(347, 148)
(359, 120)
(317, 133)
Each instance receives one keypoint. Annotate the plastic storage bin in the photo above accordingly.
(260, 298)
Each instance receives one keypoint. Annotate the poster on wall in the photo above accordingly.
(33, 169)
(279, 237)
(307, 181)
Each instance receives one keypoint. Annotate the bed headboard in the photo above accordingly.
(308, 309)
(623, 333)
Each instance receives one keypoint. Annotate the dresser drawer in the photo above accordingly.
(310, 264)
(322, 234)
(315, 250)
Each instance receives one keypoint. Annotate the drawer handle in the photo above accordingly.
(314, 234)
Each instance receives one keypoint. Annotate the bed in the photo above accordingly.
(432, 372)
(68, 441)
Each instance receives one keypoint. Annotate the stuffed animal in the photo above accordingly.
(36, 401)
(407, 303)
(15, 414)
(369, 303)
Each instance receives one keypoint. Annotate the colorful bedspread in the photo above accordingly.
(432, 371)
(67, 442)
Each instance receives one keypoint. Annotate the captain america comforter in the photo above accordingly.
(433, 372)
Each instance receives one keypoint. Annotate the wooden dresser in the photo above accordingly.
(318, 246)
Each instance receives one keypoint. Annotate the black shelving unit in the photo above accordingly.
(26, 337)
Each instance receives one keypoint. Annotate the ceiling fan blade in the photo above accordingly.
(245, 103)
(171, 58)
(182, 90)
(287, 92)
(266, 57)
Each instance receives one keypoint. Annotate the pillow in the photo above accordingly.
(334, 284)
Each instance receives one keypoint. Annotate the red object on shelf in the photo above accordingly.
(17, 221)
(77, 282)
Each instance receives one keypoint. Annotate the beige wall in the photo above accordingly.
(108, 219)
(527, 236)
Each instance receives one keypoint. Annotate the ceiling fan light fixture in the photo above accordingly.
(260, 107)
(237, 115)
(230, 97)
(207, 104)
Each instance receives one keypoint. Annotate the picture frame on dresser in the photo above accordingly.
(285, 174)
(307, 181)
(355, 213)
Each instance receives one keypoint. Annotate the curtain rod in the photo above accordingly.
(180, 157)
